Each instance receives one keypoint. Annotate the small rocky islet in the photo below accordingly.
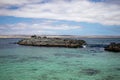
(52, 42)
(62, 42)
(113, 47)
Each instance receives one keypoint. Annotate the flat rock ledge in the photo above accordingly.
(113, 47)
(52, 42)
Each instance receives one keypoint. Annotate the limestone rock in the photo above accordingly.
(114, 47)
(52, 42)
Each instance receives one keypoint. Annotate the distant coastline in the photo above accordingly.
(61, 36)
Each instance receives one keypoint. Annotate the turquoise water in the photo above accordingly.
(50, 63)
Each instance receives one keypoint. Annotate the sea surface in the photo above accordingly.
(53, 63)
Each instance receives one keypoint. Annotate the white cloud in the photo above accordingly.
(18, 2)
(77, 10)
(35, 28)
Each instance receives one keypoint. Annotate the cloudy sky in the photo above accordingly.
(60, 17)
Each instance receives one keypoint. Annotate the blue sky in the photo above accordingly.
(60, 17)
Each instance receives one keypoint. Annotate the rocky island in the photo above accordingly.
(52, 42)
(114, 47)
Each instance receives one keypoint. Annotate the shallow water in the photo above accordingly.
(50, 63)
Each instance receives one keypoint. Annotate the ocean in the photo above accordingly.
(19, 62)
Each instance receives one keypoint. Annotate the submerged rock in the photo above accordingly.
(108, 78)
(68, 55)
(118, 69)
(90, 72)
(52, 42)
(9, 57)
(114, 47)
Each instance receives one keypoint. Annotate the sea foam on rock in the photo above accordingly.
(52, 42)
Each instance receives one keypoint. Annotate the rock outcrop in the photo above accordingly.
(52, 42)
(114, 47)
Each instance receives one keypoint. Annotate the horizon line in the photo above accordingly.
(69, 36)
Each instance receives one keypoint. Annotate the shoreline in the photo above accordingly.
(57, 36)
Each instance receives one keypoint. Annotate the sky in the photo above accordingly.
(60, 17)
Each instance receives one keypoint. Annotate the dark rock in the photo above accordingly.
(118, 69)
(114, 47)
(109, 78)
(90, 72)
(33, 36)
(52, 42)
(34, 69)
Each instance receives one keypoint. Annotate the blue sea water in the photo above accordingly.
(53, 63)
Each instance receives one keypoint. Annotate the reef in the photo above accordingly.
(52, 42)
(114, 47)
(90, 71)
